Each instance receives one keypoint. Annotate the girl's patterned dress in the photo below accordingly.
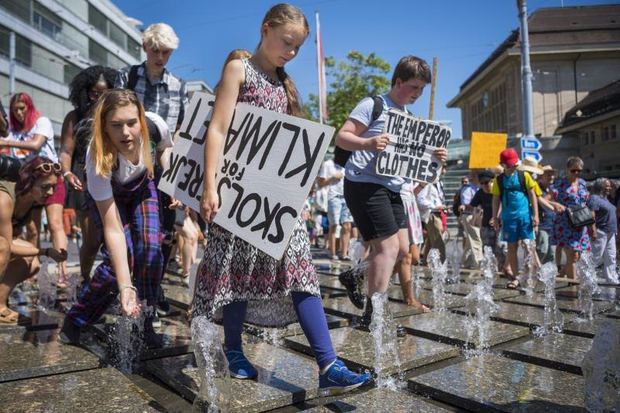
(233, 270)
(564, 235)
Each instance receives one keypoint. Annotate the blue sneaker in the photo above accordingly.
(239, 366)
(339, 379)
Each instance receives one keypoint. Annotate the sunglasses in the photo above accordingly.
(49, 167)
(576, 171)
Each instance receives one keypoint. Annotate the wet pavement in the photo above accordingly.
(434, 370)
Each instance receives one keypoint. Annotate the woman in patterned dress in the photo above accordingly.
(570, 191)
(235, 281)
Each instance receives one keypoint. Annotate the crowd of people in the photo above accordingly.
(115, 144)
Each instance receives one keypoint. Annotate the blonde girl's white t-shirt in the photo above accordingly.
(100, 187)
(43, 126)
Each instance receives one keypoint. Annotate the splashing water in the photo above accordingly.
(553, 320)
(47, 287)
(480, 305)
(439, 272)
(530, 267)
(356, 251)
(586, 271)
(601, 369)
(214, 392)
(126, 340)
(72, 289)
(455, 258)
(386, 343)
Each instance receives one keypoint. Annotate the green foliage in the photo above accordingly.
(349, 82)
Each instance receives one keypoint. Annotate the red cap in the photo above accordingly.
(509, 157)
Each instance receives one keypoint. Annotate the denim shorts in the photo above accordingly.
(377, 211)
(337, 211)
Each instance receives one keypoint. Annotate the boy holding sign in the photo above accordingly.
(374, 200)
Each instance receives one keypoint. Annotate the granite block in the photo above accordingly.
(451, 328)
(613, 314)
(585, 328)
(466, 288)
(564, 304)
(357, 348)
(39, 353)
(426, 297)
(381, 400)
(519, 314)
(329, 281)
(559, 351)
(274, 335)
(342, 306)
(32, 319)
(604, 293)
(494, 383)
(177, 295)
(99, 390)
(285, 377)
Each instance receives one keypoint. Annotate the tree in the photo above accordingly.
(351, 80)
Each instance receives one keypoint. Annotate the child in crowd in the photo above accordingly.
(234, 278)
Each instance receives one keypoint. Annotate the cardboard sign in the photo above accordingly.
(267, 166)
(485, 149)
(409, 153)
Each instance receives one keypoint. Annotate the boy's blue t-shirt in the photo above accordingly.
(515, 203)
(361, 165)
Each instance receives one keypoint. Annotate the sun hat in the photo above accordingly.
(530, 165)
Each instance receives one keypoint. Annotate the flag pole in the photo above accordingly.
(318, 64)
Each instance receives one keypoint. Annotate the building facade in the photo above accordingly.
(55, 39)
(573, 51)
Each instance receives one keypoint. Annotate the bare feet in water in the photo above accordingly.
(410, 301)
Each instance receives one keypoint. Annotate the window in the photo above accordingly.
(133, 48)
(46, 22)
(18, 8)
(117, 35)
(69, 72)
(97, 19)
(23, 47)
(592, 137)
(612, 132)
(97, 53)
(605, 133)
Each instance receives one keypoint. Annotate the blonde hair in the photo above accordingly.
(160, 35)
(103, 153)
(235, 54)
(279, 15)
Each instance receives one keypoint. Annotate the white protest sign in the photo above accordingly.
(409, 153)
(266, 169)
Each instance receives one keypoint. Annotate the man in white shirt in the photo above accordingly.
(338, 213)
(431, 203)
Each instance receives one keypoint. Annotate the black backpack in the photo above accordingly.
(341, 156)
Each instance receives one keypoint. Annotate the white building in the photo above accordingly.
(55, 39)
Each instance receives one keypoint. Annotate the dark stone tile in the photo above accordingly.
(494, 383)
(451, 328)
(520, 314)
(605, 293)
(274, 335)
(564, 304)
(331, 282)
(585, 328)
(343, 307)
(285, 377)
(426, 297)
(357, 348)
(381, 400)
(614, 314)
(31, 319)
(163, 395)
(539, 288)
(177, 295)
(466, 288)
(559, 351)
(38, 353)
(98, 390)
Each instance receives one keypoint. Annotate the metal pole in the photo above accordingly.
(431, 111)
(526, 73)
(318, 66)
(11, 63)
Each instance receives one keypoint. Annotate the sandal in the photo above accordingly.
(513, 284)
(8, 316)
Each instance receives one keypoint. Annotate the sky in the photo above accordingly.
(460, 33)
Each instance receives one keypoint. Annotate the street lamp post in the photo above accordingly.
(526, 73)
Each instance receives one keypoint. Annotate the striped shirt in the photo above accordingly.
(167, 96)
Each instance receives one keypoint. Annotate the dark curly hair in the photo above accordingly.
(81, 84)
(30, 172)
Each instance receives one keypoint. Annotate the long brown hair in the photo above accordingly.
(102, 152)
(279, 15)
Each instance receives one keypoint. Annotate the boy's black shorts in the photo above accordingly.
(377, 211)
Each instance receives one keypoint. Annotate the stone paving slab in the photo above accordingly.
(274, 335)
(38, 353)
(99, 390)
(382, 400)
(585, 328)
(559, 351)
(426, 297)
(451, 328)
(614, 314)
(494, 383)
(357, 348)
(605, 293)
(285, 378)
(330, 282)
(32, 319)
(568, 304)
(524, 315)
(342, 306)
(177, 295)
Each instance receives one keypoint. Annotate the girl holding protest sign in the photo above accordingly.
(123, 198)
(374, 200)
(236, 280)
